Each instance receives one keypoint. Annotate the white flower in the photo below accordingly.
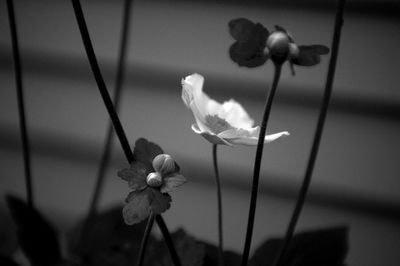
(226, 123)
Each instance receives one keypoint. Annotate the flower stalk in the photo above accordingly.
(120, 74)
(318, 133)
(113, 114)
(219, 199)
(145, 239)
(257, 163)
(21, 104)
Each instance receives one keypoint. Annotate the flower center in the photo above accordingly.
(217, 124)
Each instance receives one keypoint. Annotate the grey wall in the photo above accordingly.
(356, 180)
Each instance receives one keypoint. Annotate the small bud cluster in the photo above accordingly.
(164, 165)
(281, 47)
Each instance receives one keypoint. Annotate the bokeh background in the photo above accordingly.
(356, 179)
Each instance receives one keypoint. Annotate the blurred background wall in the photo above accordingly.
(356, 179)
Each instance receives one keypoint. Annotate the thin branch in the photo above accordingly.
(318, 133)
(219, 199)
(21, 105)
(168, 240)
(145, 239)
(257, 164)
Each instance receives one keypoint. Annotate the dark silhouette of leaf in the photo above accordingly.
(211, 256)
(323, 247)
(8, 235)
(190, 251)
(36, 236)
(248, 50)
(144, 152)
(109, 241)
(310, 55)
(7, 261)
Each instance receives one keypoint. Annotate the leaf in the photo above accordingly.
(136, 176)
(137, 207)
(248, 50)
(310, 55)
(190, 251)
(211, 256)
(172, 182)
(109, 241)
(145, 152)
(159, 202)
(241, 29)
(327, 247)
(36, 236)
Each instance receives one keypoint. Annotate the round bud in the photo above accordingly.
(293, 50)
(154, 180)
(278, 45)
(164, 164)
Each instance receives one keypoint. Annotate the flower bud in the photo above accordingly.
(278, 45)
(164, 164)
(293, 50)
(154, 179)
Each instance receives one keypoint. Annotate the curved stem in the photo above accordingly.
(219, 197)
(257, 164)
(168, 240)
(318, 133)
(21, 105)
(120, 74)
(145, 239)
(111, 110)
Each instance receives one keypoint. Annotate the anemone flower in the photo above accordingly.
(226, 123)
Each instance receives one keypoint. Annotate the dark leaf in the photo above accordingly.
(109, 241)
(159, 202)
(241, 29)
(135, 175)
(36, 236)
(144, 152)
(190, 251)
(137, 207)
(327, 247)
(245, 54)
(8, 235)
(310, 55)
(211, 256)
(248, 50)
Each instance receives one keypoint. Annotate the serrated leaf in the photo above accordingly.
(318, 247)
(36, 236)
(190, 251)
(137, 207)
(310, 55)
(159, 202)
(135, 176)
(144, 152)
(172, 182)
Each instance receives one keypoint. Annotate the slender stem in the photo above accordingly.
(100, 81)
(318, 133)
(21, 105)
(112, 112)
(105, 158)
(257, 164)
(219, 198)
(168, 240)
(145, 239)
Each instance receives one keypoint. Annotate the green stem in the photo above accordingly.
(111, 110)
(219, 198)
(257, 164)
(145, 239)
(21, 105)
(318, 133)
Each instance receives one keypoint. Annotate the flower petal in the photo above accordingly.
(214, 139)
(172, 182)
(235, 115)
(248, 137)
